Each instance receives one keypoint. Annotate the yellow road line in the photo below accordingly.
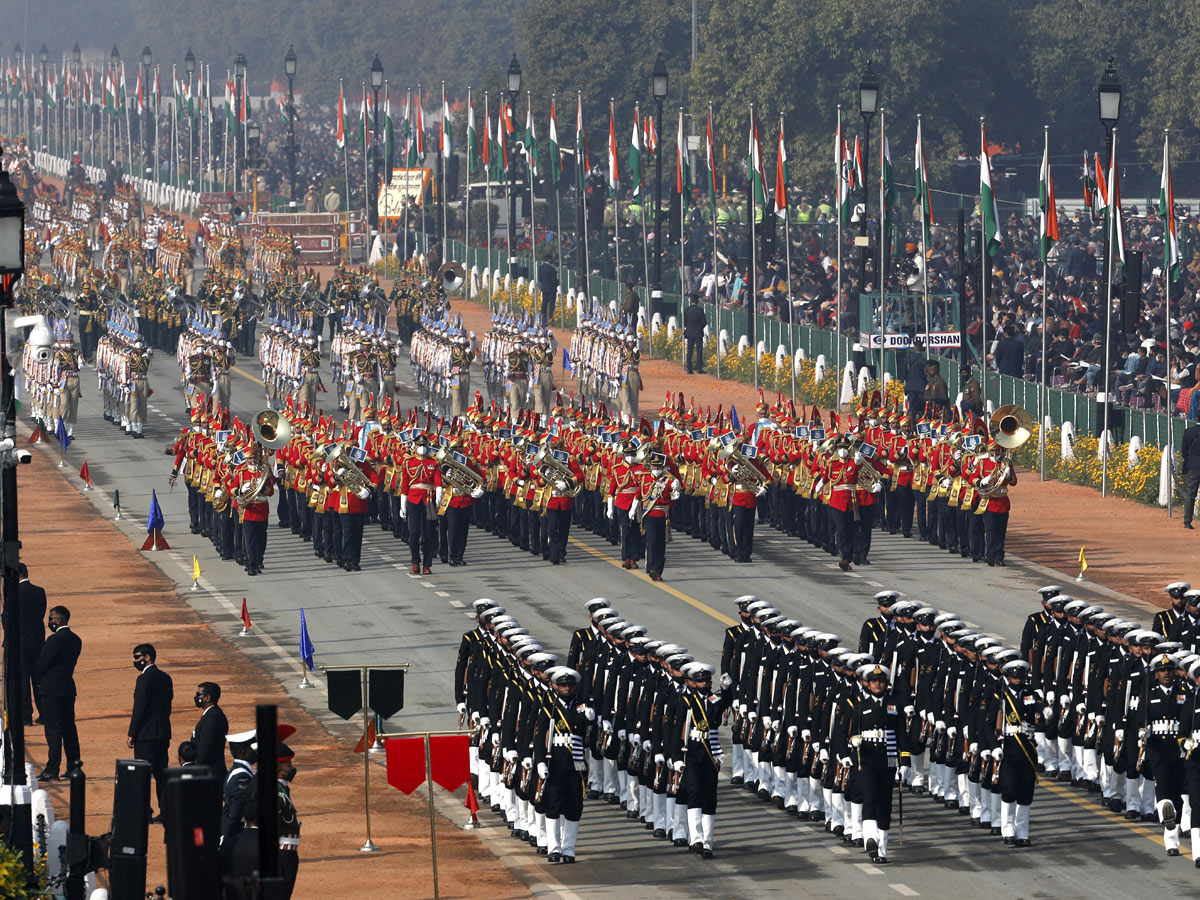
(245, 374)
(662, 586)
(1151, 834)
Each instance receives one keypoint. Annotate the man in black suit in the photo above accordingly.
(1189, 451)
(150, 724)
(694, 323)
(56, 682)
(33, 635)
(209, 733)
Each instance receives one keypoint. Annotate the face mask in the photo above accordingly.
(53, 627)
(422, 451)
(656, 472)
(843, 453)
(199, 698)
(139, 664)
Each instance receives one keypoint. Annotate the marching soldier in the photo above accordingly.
(558, 757)
(1013, 715)
(252, 485)
(658, 491)
(139, 369)
(420, 479)
(878, 740)
(1158, 728)
(693, 746)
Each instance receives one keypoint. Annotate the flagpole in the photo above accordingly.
(1112, 213)
(925, 301)
(612, 149)
(839, 176)
(530, 165)
(712, 190)
(751, 305)
(983, 280)
(682, 252)
(366, 133)
(787, 264)
(467, 192)
(345, 160)
(1168, 217)
(225, 151)
(442, 162)
(883, 238)
(1045, 289)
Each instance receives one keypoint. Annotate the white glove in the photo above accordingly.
(858, 457)
(876, 488)
(973, 748)
(510, 755)
(659, 759)
(589, 714)
(1091, 717)
(762, 489)
(844, 762)
(647, 747)
(606, 725)
(817, 487)
(677, 765)
(474, 718)
(806, 734)
(951, 732)
(635, 739)
(1065, 701)
(339, 471)
(1050, 697)
(633, 508)
(1048, 712)
(986, 754)
(403, 506)
(462, 707)
(791, 731)
(776, 724)
(998, 754)
(520, 482)
(477, 493)
(527, 762)
(485, 721)
(543, 770)
(363, 494)
(726, 682)
(945, 482)
(909, 710)
(1188, 745)
(824, 756)
(1119, 734)
(1080, 708)
(753, 716)
(437, 494)
(495, 740)
(218, 494)
(766, 722)
(621, 734)
(856, 740)
(560, 486)
(609, 510)
(742, 708)
(930, 717)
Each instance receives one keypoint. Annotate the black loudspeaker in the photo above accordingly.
(452, 177)
(193, 825)
(1131, 295)
(768, 232)
(131, 808)
(130, 825)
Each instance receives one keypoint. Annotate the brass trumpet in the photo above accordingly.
(551, 470)
(462, 478)
(348, 476)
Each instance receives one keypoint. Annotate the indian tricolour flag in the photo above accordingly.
(1166, 208)
(635, 153)
(987, 198)
(781, 176)
(757, 186)
(1047, 206)
(614, 174)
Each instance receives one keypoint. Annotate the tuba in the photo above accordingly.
(739, 469)
(551, 470)
(272, 430)
(1010, 426)
(462, 479)
(451, 277)
(348, 476)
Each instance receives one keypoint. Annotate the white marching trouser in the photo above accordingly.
(1167, 816)
(739, 761)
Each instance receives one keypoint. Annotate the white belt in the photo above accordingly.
(875, 734)
(697, 735)
(289, 843)
(561, 740)
(1165, 727)
(1024, 728)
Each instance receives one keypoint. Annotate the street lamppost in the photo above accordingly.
(114, 59)
(239, 148)
(1108, 91)
(289, 69)
(514, 89)
(148, 116)
(868, 105)
(659, 83)
(189, 66)
(44, 56)
(12, 265)
(376, 84)
(76, 119)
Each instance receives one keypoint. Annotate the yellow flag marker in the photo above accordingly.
(1083, 565)
(195, 572)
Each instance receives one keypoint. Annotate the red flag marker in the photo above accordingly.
(86, 476)
(365, 744)
(156, 541)
(245, 619)
(472, 804)
(38, 436)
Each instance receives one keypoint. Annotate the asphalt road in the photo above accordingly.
(382, 615)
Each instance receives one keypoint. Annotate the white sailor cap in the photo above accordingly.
(1177, 588)
(698, 671)
(481, 604)
(1015, 667)
(596, 603)
(242, 737)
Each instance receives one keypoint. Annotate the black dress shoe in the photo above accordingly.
(568, 860)
(706, 854)
(659, 833)
(679, 842)
(1188, 526)
(1174, 851)
(737, 779)
(48, 776)
(554, 857)
(541, 851)
(592, 795)
(951, 804)
(879, 860)
(696, 848)
(1010, 841)
(872, 847)
(995, 830)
